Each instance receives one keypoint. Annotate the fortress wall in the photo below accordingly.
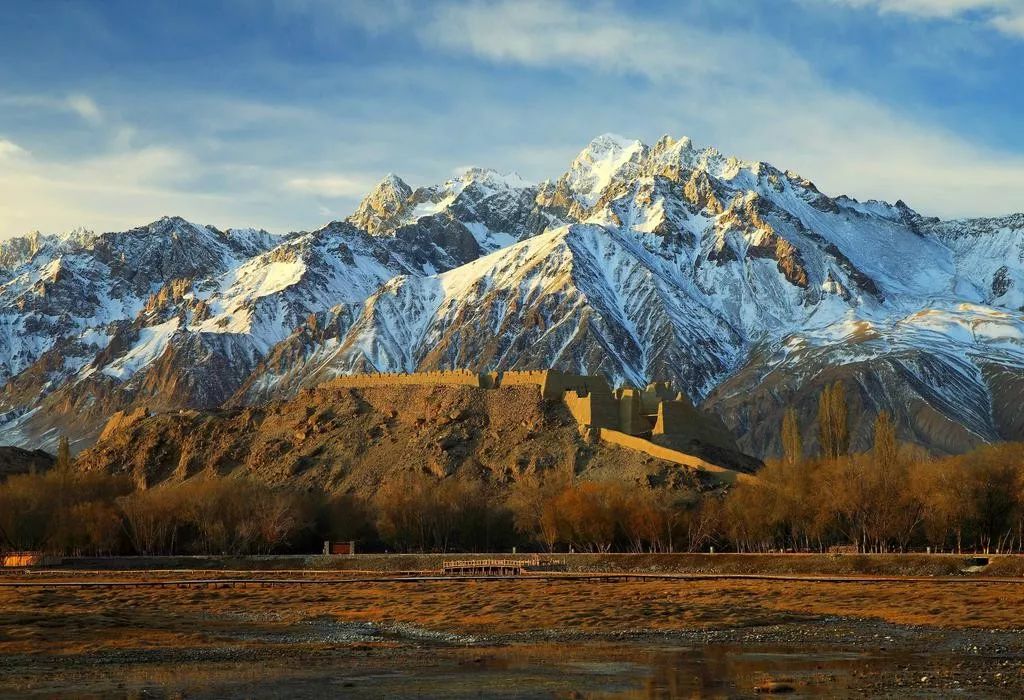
(616, 418)
(632, 420)
(604, 409)
(579, 406)
(554, 384)
(590, 400)
(614, 437)
(533, 377)
(673, 419)
(682, 422)
(558, 383)
(389, 379)
(597, 410)
(654, 394)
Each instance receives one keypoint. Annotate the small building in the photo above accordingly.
(339, 547)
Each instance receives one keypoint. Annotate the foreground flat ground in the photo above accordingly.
(546, 637)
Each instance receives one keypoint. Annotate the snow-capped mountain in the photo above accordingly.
(744, 284)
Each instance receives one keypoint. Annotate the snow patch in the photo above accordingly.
(151, 345)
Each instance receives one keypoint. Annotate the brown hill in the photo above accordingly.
(14, 460)
(353, 439)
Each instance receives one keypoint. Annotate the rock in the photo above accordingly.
(123, 419)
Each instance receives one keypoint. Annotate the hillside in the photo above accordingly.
(14, 460)
(354, 439)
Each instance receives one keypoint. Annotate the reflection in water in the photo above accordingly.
(716, 670)
(625, 671)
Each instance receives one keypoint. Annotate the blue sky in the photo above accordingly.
(281, 114)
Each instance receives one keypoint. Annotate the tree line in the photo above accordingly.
(893, 497)
(66, 512)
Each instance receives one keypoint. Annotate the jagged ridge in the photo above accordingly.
(742, 283)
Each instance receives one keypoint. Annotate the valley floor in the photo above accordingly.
(533, 637)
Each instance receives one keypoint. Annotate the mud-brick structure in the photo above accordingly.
(552, 384)
(655, 412)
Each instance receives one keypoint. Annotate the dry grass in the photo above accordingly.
(75, 621)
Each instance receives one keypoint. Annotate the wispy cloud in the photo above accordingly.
(111, 190)
(85, 107)
(1010, 23)
(9, 149)
(535, 33)
(81, 105)
(1006, 16)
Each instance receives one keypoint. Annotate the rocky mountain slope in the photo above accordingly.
(743, 284)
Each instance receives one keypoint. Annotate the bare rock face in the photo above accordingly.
(122, 420)
(439, 233)
(380, 209)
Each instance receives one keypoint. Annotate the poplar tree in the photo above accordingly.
(833, 428)
(63, 454)
(886, 449)
(841, 419)
(792, 443)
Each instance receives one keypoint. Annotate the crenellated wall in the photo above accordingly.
(598, 410)
(552, 383)
(633, 418)
(653, 394)
(455, 377)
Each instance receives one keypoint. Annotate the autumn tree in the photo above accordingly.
(63, 462)
(792, 442)
(833, 426)
(535, 514)
(886, 449)
(344, 516)
(61, 511)
(153, 519)
(588, 516)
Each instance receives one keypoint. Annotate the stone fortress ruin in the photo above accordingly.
(654, 419)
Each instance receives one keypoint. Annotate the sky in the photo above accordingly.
(282, 114)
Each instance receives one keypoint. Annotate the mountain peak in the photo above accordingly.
(392, 182)
(611, 142)
(169, 223)
(387, 195)
(382, 204)
(599, 163)
(494, 178)
(642, 260)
